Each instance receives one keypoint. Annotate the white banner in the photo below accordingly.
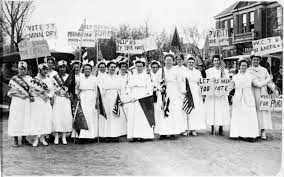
(74, 39)
(149, 44)
(129, 46)
(33, 49)
(42, 31)
(221, 87)
(270, 103)
(100, 31)
(267, 45)
(218, 37)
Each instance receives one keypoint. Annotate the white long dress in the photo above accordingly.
(222, 110)
(124, 79)
(173, 124)
(264, 117)
(196, 119)
(114, 126)
(41, 110)
(137, 124)
(87, 87)
(244, 122)
(62, 115)
(19, 113)
(182, 72)
(156, 79)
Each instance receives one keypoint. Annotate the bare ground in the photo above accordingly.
(201, 155)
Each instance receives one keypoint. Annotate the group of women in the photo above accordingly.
(41, 106)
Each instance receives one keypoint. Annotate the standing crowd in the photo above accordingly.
(42, 106)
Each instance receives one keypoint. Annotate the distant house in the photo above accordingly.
(248, 21)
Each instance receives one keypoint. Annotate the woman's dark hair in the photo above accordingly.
(140, 62)
(85, 66)
(111, 62)
(102, 63)
(122, 63)
(216, 56)
(243, 60)
(191, 58)
(169, 55)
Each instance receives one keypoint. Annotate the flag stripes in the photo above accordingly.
(116, 110)
(188, 103)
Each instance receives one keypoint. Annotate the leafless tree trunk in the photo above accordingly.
(15, 15)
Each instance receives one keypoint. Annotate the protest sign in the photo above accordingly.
(149, 44)
(100, 31)
(33, 49)
(129, 46)
(267, 45)
(74, 39)
(221, 87)
(206, 86)
(42, 31)
(218, 37)
(270, 103)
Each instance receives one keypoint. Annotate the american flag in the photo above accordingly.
(222, 64)
(188, 103)
(165, 99)
(116, 110)
(84, 53)
(100, 55)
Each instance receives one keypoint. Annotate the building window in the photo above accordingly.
(231, 26)
(279, 17)
(251, 21)
(244, 24)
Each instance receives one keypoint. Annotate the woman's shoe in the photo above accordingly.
(193, 132)
(56, 139)
(35, 143)
(16, 143)
(43, 141)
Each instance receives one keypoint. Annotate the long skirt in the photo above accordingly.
(244, 121)
(175, 123)
(137, 123)
(217, 113)
(114, 126)
(88, 101)
(196, 119)
(62, 115)
(19, 117)
(41, 117)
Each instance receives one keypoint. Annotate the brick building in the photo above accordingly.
(247, 21)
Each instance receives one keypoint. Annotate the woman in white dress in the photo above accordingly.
(244, 122)
(182, 72)
(86, 91)
(62, 115)
(156, 77)
(41, 110)
(264, 116)
(115, 125)
(76, 64)
(138, 127)
(19, 114)
(196, 119)
(51, 63)
(217, 110)
(174, 123)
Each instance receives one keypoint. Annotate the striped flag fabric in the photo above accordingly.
(99, 104)
(188, 103)
(222, 64)
(100, 55)
(165, 99)
(116, 110)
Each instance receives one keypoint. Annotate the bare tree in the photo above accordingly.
(15, 16)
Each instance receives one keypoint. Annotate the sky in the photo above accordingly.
(68, 15)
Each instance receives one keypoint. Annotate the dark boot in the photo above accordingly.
(25, 141)
(221, 130)
(162, 137)
(173, 137)
(134, 140)
(212, 129)
(16, 143)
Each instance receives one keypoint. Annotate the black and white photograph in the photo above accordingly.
(141, 88)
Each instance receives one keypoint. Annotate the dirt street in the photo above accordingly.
(201, 155)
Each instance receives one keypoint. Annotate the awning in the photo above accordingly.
(237, 57)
